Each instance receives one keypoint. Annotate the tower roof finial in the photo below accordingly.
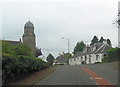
(29, 24)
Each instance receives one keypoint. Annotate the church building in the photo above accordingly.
(29, 37)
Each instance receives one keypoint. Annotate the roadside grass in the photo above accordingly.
(33, 78)
(55, 65)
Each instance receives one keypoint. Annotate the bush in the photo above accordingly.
(18, 62)
(97, 62)
(16, 67)
(113, 55)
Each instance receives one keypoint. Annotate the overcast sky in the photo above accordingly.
(78, 20)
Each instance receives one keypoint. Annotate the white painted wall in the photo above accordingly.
(93, 58)
(87, 59)
(101, 57)
(77, 61)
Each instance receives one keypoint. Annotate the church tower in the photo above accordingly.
(29, 37)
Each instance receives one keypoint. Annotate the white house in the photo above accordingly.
(90, 54)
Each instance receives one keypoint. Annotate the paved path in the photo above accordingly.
(75, 75)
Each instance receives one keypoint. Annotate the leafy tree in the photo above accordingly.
(113, 55)
(50, 59)
(79, 47)
(5, 48)
(108, 42)
(68, 56)
(94, 40)
(18, 62)
(101, 40)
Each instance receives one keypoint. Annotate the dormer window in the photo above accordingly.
(85, 50)
(94, 48)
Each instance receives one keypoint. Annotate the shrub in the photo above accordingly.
(18, 62)
(97, 62)
(113, 55)
(16, 67)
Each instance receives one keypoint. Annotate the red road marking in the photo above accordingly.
(100, 81)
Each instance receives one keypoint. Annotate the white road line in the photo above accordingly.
(97, 78)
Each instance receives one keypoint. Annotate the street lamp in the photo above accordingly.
(68, 42)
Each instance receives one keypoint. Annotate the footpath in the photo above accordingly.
(34, 77)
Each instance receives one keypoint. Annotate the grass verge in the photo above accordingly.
(34, 78)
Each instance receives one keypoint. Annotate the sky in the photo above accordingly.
(78, 20)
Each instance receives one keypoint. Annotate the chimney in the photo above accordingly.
(105, 41)
(87, 45)
(59, 54)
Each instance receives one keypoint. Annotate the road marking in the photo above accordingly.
(99, 80)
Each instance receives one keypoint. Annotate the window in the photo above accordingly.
(81, 58)
(97, 56)
(94, 48)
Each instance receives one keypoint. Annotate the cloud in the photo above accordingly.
(74, 19)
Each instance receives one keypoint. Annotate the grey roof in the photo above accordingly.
(99, 48)
(62, 58)
(80, 53)
(12, 43)
(29, 24)
(104, 49)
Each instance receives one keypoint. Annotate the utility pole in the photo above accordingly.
(68, 42)
(118, 24)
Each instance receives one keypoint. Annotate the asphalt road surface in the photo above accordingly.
(75, 75)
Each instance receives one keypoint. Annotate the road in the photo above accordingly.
(75, 75)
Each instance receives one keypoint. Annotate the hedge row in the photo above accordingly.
(16, 67)
(113, 55)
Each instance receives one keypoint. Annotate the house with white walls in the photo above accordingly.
(90, 54)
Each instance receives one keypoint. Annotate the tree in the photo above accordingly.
(50, 59)
(21, 49)
(101, 40)
(112, 55)
(79, 47)
(94, 40)
(17, 61)
(5, 48)
(108, 42)
(38, 52)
